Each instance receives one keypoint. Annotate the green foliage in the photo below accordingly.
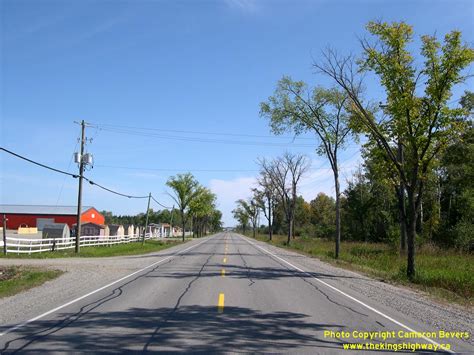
(202, 209)
(15, 279)
(457, 194)
(323, 210)
(185, 188)
(192, 200)
(437, 273)
(242, 217)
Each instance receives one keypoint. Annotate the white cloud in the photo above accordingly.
(319, 179)
(247, 6)
(229, 191)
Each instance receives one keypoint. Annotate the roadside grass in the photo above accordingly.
(15, 279)
(445, 274)
(133, 248)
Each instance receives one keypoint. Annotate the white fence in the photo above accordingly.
(28, 246)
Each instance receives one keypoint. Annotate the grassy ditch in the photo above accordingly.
(132, 248)
(446, 274)
(15, 279)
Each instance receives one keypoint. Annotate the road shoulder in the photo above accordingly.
(407, 303)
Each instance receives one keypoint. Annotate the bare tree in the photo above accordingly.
(251, 209)
(285, 173)
(265, 197)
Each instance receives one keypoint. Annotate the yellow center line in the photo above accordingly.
(225, 260)
(220, 303)
(223, 272)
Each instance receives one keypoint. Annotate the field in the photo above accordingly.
(443, 273)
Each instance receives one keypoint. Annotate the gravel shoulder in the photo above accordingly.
(81, 276)
(408, 303)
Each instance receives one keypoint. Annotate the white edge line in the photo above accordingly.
(21, 325)
(348, 296)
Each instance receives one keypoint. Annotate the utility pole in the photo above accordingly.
(79, 196)
(4, 234)
(146, 219)
(171, 222)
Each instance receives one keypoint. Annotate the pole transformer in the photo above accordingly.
(146, 219)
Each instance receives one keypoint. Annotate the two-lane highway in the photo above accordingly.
(219, 294)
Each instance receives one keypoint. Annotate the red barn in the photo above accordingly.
(38, 216)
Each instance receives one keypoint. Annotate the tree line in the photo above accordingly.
(416, 182)
(194, 209)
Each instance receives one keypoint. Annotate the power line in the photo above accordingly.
(168, 208)
(201, 170)
(144, 132)
(205, 140)
(69, 174)
(109, 126)
(174, 170)
(112, 191)
(39, 164)
(64, 179)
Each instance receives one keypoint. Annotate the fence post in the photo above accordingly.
(4, 234)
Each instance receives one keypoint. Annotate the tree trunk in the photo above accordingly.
(401, 203)
(419, 220)
(293, 228)
(183, 223)
(290, 224)
(338, 214)
(411, 233)
(270, 218)
(289, 234)
(401, 218)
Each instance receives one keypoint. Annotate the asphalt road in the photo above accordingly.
(225, 293)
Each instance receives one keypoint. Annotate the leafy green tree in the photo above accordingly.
(185, 188)
(302, 216)
(323, 210)
(216, 220)
(251, 209)
(201, 208)
(241, 217)
(457, 187)
(417, 111)
(297, 108)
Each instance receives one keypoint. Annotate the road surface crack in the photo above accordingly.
(175, 308)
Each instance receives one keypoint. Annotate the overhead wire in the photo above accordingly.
(150, 132)
(64, 179)
(105, 125)
(168, 208)
(70, 174)
(39, 164)
(204, 140)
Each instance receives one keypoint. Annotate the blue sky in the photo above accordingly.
(167, 66)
